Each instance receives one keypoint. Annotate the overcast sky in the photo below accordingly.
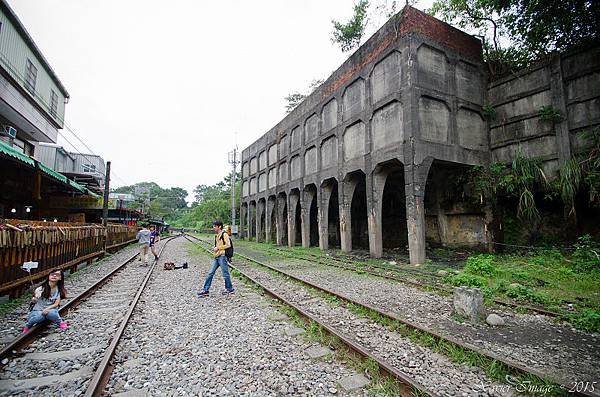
(165, 89)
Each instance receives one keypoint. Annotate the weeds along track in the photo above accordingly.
(430, 341)
(395, 273)
(76, 361)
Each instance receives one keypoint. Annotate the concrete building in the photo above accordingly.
(32, 98)
(86, 169)
(371, 158)
(32, 108)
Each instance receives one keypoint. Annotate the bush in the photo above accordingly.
(482, 265)
(522, 293)
(587, 320)
(586, 257)
(547, 258)
(467, 280)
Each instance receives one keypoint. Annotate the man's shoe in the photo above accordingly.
(202, 294)
(156, 257)
(25, 329)
(228, 291)
(63, 325)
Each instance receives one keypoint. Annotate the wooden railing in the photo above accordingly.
(119, 235)
(53, 245)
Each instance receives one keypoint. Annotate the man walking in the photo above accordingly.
(143, 237)
(222, 243)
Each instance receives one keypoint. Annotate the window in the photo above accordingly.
(30, 76)
(53, 103)
(89, 168)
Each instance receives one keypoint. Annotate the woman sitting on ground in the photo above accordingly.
(46, 300)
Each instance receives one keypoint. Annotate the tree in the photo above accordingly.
(348, 35)
(529, 29)
(154, 200)
(295, 98)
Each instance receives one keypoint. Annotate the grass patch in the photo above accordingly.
(567, 282)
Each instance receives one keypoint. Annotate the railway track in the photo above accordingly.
(516, 368)
(414, 370)
(98, 317)
(392, 272)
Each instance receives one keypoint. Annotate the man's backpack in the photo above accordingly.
(228, 251)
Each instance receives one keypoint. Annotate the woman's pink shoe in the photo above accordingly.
(25, 329)
(63, 325)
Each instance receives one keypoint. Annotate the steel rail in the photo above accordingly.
(24, 340)
(406, 384)
(103, 371)
(516, 367)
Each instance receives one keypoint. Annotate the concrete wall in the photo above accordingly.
(410, 101)
(569, 83)
(411, 94)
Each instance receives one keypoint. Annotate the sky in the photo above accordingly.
(164, 90)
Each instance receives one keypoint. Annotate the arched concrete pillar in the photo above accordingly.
(243, 210)
(281, 215)
(271, 203)
(346, 191)
(323, 196)
(293, 201)
(415, 177)
(251, 222)
(375, 186)
(260, 208)
(306, 198)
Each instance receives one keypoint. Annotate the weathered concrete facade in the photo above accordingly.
(352, 164)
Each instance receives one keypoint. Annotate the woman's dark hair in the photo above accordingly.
(218, 223)
(60, 285)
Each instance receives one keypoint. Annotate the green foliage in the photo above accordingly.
(523, 293)
(489, 112)
(155, 201)
(587, 320)
(586, 257)
(520, 180)
(533, 28)
(481, 265)
(550, 114)
(467, 280)
(295, 98)
(212, 202)
(348, 35)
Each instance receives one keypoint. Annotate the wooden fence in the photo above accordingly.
(53, 245)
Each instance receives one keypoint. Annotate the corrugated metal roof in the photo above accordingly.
(9, 151)
(52, 173)
(77, 186)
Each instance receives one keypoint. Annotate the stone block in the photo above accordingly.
(354, 382)
(317, 351)
(494, 319)
(294, 331)
(468, 302)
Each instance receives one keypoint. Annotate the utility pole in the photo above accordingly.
(106, 190)
(233, 161)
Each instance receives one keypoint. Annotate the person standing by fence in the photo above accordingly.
(222, 243)
(143, 237)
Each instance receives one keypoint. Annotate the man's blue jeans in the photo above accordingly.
(36, 316)
(219, 261)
